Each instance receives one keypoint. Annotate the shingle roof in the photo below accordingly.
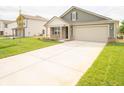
(7, 21)
(34, 17)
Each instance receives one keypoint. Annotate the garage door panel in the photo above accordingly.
(91, 33)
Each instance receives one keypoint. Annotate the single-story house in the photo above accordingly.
(32, 26)
(80, 24)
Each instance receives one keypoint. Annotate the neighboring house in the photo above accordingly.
(9, 29)
(31, 26)
(80, 24)
(4, 26)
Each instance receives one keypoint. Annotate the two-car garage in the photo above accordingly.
(96, 33)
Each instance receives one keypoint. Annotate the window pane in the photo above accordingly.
(5, 25)
(74, 15)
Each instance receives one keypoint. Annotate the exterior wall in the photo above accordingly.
(81, 17)
(34, 27)
(111, 30)
(2, 26)
(48, 33)
(116, 27)
(8, 31)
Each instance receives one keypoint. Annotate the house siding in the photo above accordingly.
(31, 28)
(8, 30)
(111, 30)
(2, 26)
(34, 27)
(81, 17)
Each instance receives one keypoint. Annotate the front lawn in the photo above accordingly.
(9, 47)
(108, 69)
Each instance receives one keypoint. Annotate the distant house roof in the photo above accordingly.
(7, 21)
(34, 17)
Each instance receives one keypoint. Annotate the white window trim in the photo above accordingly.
(74, 16)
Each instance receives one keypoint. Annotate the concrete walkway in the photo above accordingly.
(61, 64)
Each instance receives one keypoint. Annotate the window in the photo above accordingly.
(74, 16)
(25, 22)
(52, 29)
(6, 25)
(28, 33)
(55, 30)
(0, 25)
(1, 32)
(43, 31)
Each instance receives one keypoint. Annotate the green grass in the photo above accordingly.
(10, 47)
(1, 37)
(108, 69)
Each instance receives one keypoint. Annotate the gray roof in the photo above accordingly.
(7, 21)
(34, 17)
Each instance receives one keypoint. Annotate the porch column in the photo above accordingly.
(13, 32)
(69, 33)
(46, 33)
(60, 32)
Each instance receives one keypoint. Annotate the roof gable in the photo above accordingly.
(56, 21)
(86, 11)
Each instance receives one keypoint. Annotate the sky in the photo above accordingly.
(11, 12)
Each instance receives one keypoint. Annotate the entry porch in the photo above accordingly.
(59, 29)
(60, 33)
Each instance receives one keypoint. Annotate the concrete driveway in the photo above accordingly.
(61, 64)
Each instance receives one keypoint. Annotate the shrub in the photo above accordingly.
(122, 27)
(120, 37)
(46, 39)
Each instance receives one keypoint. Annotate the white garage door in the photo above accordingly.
(97, 33)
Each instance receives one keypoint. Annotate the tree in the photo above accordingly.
(122, 27)
(20, 23)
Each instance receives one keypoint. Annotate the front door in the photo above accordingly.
(23, 32)
(1, 33)
(16, 32)
(66, 33)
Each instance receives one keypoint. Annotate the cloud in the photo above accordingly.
(10, 12)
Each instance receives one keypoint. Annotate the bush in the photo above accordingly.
(120, 37)
(122, 27)
(46, 39)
